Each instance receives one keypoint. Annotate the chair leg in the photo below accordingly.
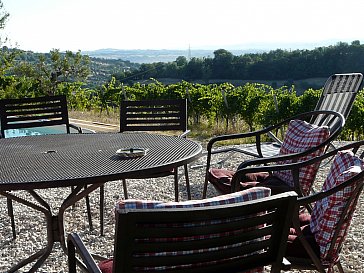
(102, 203)
(125, 189)
(11, 215)
(175, 184)
(72, 189)
(340, 267)
(88, 208)
(187, 183)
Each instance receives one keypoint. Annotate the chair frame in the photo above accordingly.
(335, 121)
(35, 112)
(314, 262)
(152, 115)
(339, 93)
(135, 224)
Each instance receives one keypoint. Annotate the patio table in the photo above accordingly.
(85, 162)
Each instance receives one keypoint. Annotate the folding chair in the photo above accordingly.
(339, 93)
(239, 232)
(302, 141)
(153, 116)
(321, 220)
(318, 235)
(35, 112)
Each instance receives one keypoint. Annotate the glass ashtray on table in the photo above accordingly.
(131, 152)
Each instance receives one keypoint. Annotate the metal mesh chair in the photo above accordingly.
(332, 120)
(339, 93)
(35, 112)
(329, 213)
(149, 116)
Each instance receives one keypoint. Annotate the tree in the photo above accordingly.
(55, 69)
(222, 64)
(3, 15)
(7, 57)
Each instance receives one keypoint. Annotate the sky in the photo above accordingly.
(44, 25)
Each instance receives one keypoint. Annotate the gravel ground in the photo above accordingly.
(32, 233)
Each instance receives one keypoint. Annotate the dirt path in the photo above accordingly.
(95, 126)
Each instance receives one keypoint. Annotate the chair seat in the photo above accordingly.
(221, 180)
(295, 248)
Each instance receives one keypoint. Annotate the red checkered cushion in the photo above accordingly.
(301, 136)
(246, 195)
(326, 212)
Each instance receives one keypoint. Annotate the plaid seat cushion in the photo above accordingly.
(242, 196)
(326, 212)
(301, 136)
(221, 180)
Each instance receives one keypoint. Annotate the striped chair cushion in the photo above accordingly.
(301, 136)
(231, 198)
(242, 196)
(326, 212)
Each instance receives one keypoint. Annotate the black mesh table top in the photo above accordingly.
(49, 161)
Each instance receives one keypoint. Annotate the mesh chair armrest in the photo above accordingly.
(294, 167)
(75, 244)
(267, 130)
(274, 164)
(216, 139)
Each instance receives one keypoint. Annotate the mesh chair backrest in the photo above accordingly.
(33, 112)
(339, 94)
(153, 115)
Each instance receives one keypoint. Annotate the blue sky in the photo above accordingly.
(43, 25)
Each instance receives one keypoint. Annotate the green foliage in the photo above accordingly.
(274, 65)
(255, 105)
(354, 127)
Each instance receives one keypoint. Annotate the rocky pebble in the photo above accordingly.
(31, 229)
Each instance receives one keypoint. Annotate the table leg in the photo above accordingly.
(42, 254)
(76, 195)
(55, 223)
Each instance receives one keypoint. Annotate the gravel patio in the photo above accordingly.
(31, 228)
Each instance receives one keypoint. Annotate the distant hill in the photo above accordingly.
(153, 56)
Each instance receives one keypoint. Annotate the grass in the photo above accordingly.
(202, 131)
(103, 117)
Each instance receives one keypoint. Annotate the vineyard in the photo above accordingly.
(221, 108)
(249, 107)
(225, 106)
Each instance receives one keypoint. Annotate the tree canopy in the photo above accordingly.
(276, 64)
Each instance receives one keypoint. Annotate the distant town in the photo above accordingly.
(153, 56)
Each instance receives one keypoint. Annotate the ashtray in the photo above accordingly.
(131, 152)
